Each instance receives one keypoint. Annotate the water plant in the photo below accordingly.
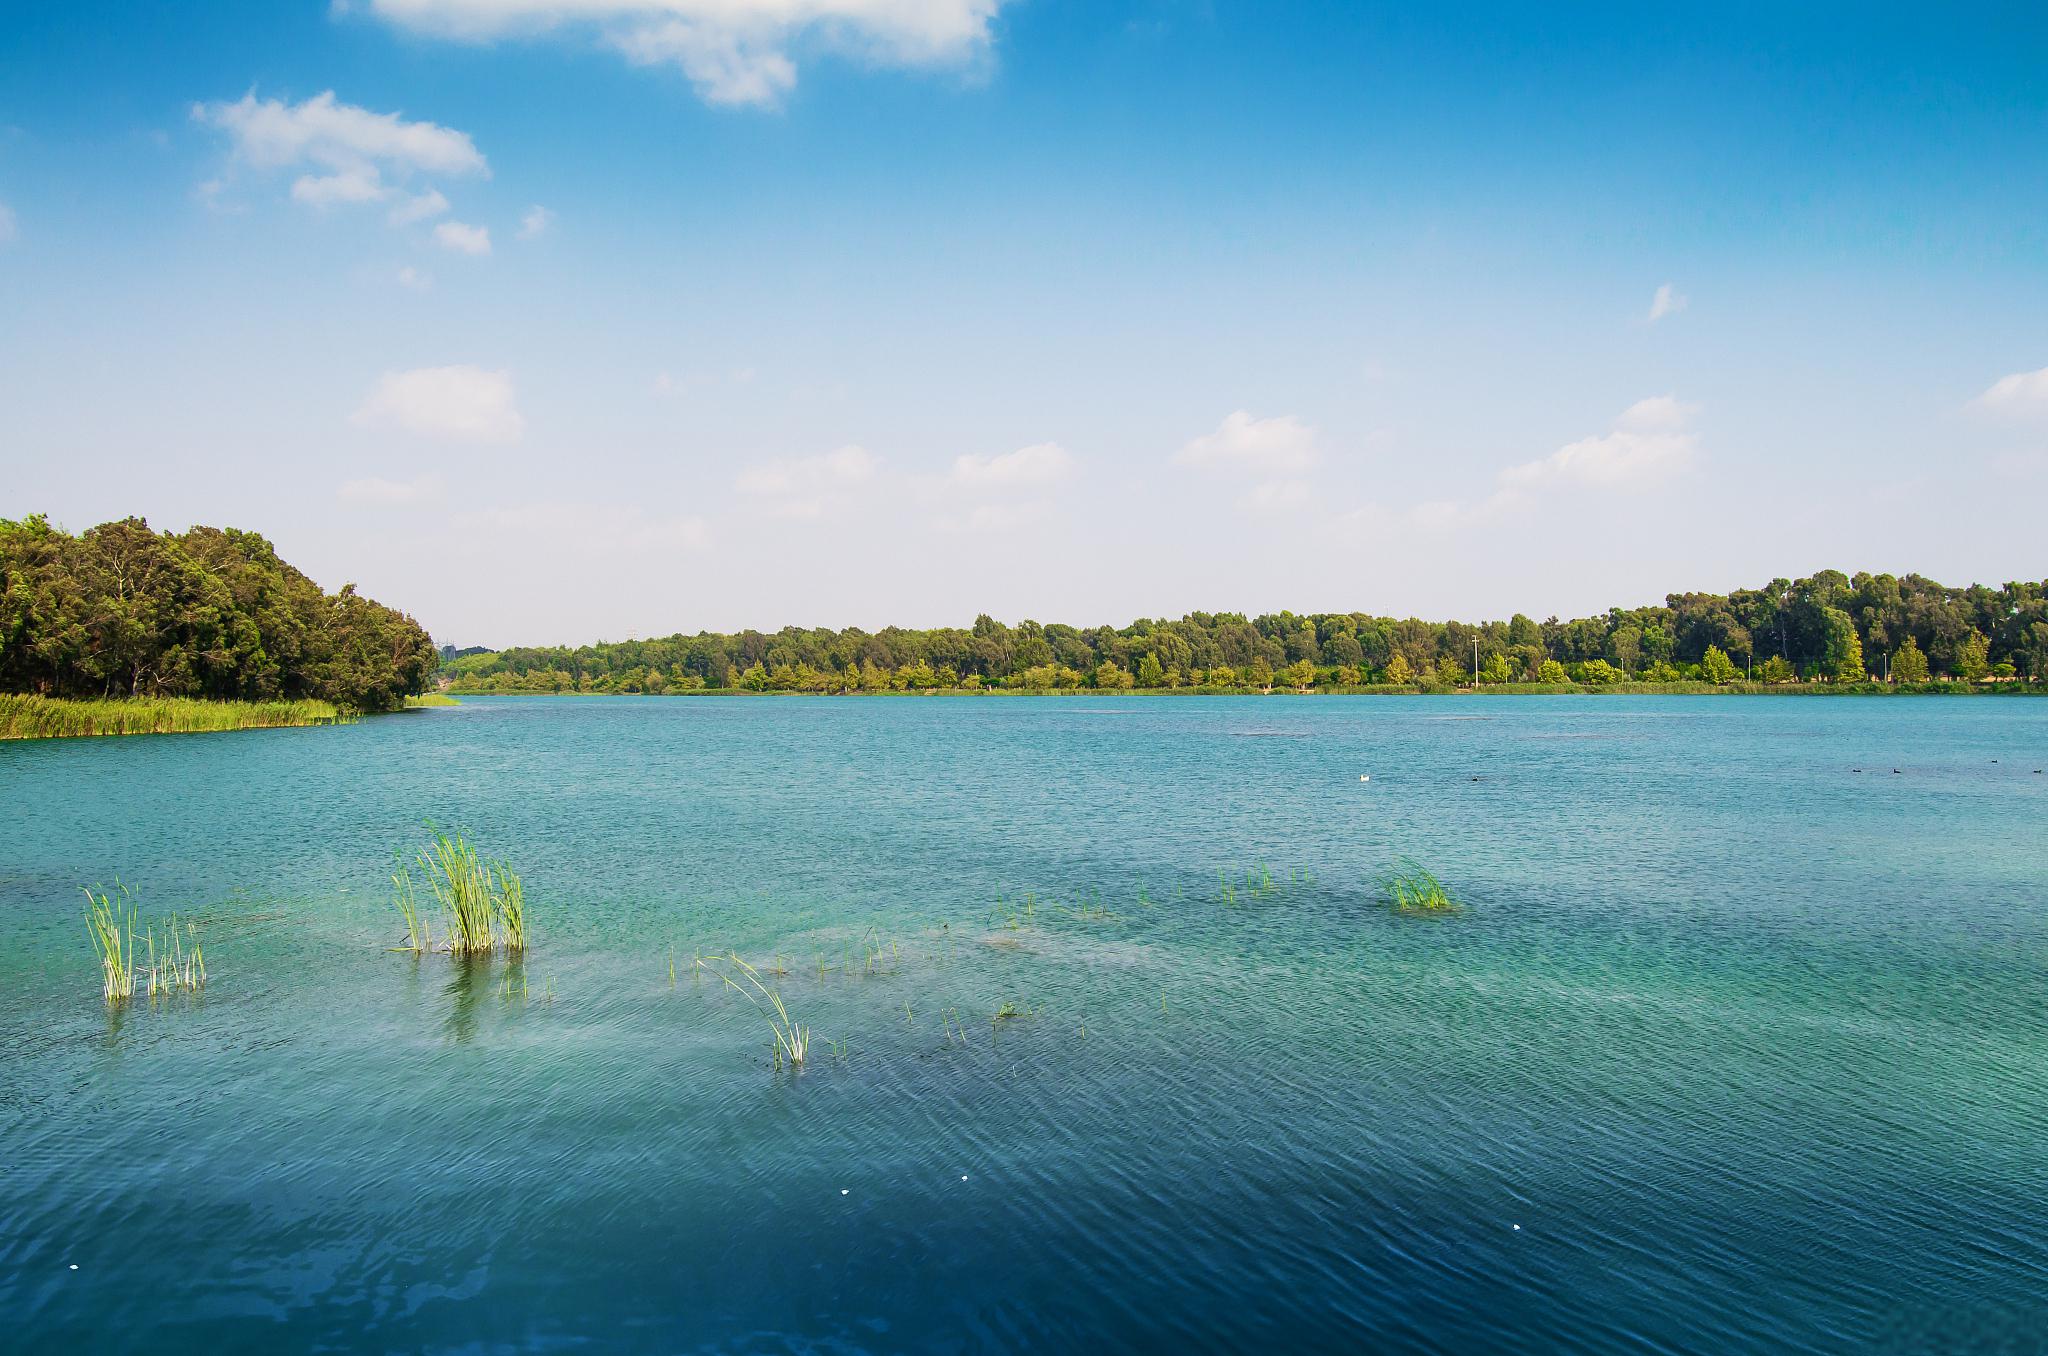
(1413, 888)
(482, 902)
(792, 1040)
(419, 937)
(172, 970)
(112, 927)
(30, 716)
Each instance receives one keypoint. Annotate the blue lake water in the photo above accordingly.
(1740, 1046)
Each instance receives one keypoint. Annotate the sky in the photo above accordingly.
(553, 321)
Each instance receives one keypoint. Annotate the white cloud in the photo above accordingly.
(805, 487)
(1276, 496)
(408, 276)
(1028, 468)
(535, 221)
(733, 51)
(591, 529)
(463, 402)
(375, 490)
(2022, 393)
(464, 238)
(358, 184)
(349, 154)
(8, 229)
(1279, 444)
(419, 207)
(1668, 301)
(983, 519)
(1649, 441)
(272, 134)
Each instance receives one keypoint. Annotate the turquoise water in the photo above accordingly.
(1750, 1044)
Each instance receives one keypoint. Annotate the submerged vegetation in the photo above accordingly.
(1413, 888)
(26, 716)
(123, 611)
(1825, 633)
(482, 903)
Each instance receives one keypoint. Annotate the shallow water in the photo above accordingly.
(1737, 1048)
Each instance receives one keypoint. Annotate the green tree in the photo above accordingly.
(1149, 672)
(1908, 664)
(1844, 648)
(1972, 658)
(1398, 671)
(1717, 666)
(1550, 671)
(1111, 677)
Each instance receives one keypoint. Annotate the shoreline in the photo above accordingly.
(2006, 689)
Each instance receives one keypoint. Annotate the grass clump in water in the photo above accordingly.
(483, 903)
(1413, 888)
(173, 970)
(792, 1041)
(430, 699)
(110, 919)
(112, 926)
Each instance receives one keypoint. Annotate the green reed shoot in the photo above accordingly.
(113, 941)
(483, 903)
(1412, 888)
(419, 933)
(172, 971)
(508, 893)
(792, 1041)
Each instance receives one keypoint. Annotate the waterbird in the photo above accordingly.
(1362, 777)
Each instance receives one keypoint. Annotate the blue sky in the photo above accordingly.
(557, 320)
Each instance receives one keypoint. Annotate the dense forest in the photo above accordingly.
(1831, 629)
(122, 611)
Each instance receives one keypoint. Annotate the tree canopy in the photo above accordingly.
(1825, 628)
(123, 611)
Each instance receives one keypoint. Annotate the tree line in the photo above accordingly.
(1830, 628)
(120, 610)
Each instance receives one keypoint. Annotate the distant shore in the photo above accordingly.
(1681, 689)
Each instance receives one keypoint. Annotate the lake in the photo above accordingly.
(1740, 1043)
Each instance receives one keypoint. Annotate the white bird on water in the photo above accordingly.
(1362, 777)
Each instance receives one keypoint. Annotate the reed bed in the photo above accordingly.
(1413, 888)
(430, 699)
(27, 716)
(482, 902)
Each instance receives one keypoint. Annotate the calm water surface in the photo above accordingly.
(1738, 1048)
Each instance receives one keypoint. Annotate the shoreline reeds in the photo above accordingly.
(29, 716)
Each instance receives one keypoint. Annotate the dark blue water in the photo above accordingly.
(1741, 1044)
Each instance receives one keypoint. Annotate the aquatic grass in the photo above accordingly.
(1413, 888)
(28, 716)
(112, 926)
(172, 970)
(482, 902)
(792, 1040)
(430, 699)
(419, 936)
(508, 895)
